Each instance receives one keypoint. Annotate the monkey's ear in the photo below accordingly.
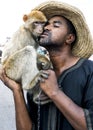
(25, 18)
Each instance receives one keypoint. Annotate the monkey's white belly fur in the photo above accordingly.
(22, 66)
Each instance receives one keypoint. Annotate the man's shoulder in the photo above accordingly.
(88, 65)
(88, 62)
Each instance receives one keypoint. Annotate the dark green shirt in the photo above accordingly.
(77, 84)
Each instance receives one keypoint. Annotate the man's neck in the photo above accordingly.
(62, 61)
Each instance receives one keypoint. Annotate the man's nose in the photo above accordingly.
(47, 27)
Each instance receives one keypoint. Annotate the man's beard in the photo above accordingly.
(50, 46)
(46, 41)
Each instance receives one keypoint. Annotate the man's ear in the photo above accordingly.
(70, 39)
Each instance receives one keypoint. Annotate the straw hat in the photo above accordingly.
(84, 42)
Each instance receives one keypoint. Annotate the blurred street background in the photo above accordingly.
(7, 109)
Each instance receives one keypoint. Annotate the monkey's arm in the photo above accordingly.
(43, 63)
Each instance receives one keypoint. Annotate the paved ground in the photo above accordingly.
(7, 110)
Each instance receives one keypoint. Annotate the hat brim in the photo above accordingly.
(84, 43)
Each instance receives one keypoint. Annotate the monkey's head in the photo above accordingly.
(35, 22)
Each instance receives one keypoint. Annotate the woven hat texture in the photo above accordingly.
(84, 43)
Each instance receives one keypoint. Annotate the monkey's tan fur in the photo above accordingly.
(19, 57)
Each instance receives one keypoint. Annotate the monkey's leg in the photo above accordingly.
(13, 66)
(22, 66)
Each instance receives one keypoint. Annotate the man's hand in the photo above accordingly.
(8, 82)
(48, 83)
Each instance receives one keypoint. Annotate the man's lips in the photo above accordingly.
(44, 34)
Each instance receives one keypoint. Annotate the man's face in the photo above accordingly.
(55, 32)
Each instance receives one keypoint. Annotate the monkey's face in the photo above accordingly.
(37, 28)
(35, 22)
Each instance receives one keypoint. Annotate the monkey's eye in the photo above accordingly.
(38, 23)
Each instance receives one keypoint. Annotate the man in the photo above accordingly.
(68, 88)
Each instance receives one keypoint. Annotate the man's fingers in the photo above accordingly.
(2, 74)
(42, 80)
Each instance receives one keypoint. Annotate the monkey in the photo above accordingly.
(27, 34)
(20, 59)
